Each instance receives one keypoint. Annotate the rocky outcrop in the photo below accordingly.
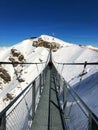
(21, 80)
(11, 59)
(16, 56)
(21, 57)
(9, 96)
(4, 75)
(41, 43)
(15, 52)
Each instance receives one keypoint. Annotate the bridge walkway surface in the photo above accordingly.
(47, 116)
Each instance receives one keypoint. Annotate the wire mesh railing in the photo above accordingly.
(18, 115)
(76, 114)
(21, 112)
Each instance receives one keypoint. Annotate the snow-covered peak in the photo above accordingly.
(53, 39)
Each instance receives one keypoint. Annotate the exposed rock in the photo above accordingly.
(21, 71)
(0, 85)
(34, 43)
(11, 59)
(5, 99)
(54, 50)
(21, 80)
(4, 75)
(16, 57)
(40, 40)
(15, 53)
(42, 43)
(21, 57)
(9, 96)
(40, 60)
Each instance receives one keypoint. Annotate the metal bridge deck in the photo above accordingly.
(47, 116)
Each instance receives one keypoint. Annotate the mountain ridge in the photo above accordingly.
(26, 52)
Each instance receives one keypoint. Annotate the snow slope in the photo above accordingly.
(88, 87)
(28, 53)
(64, 52)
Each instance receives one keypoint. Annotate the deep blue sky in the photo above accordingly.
(74, 21)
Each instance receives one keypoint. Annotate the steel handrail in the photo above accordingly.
(77, 63)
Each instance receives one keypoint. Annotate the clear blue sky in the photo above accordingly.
(74, 21)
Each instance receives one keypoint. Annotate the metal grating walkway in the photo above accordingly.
(47, 116)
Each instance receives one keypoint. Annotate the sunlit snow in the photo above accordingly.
(87, 89)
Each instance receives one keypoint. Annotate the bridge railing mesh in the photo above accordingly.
(20, 111)
(18, 115)
(76, 114)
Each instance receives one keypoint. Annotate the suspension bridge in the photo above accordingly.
(50, 104)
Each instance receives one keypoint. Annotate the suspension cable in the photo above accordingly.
(15, 62)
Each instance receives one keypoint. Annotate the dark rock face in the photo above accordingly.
(20, 57)
(21, 80)
(15, 53)
(9, 96)
(42, 43)
(17, 57)
(5, 75)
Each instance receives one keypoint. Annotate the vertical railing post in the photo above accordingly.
(64, 96)
(40, 85)
(63, 91)
(59, 80)
(89, 122)
(3, 122)
(33, 98)
(43, 78)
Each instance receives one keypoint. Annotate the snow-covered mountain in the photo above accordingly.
(37, 50)
(33, 50)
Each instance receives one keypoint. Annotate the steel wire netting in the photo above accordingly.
(20, 112)
(76, 114)
(19, 116)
